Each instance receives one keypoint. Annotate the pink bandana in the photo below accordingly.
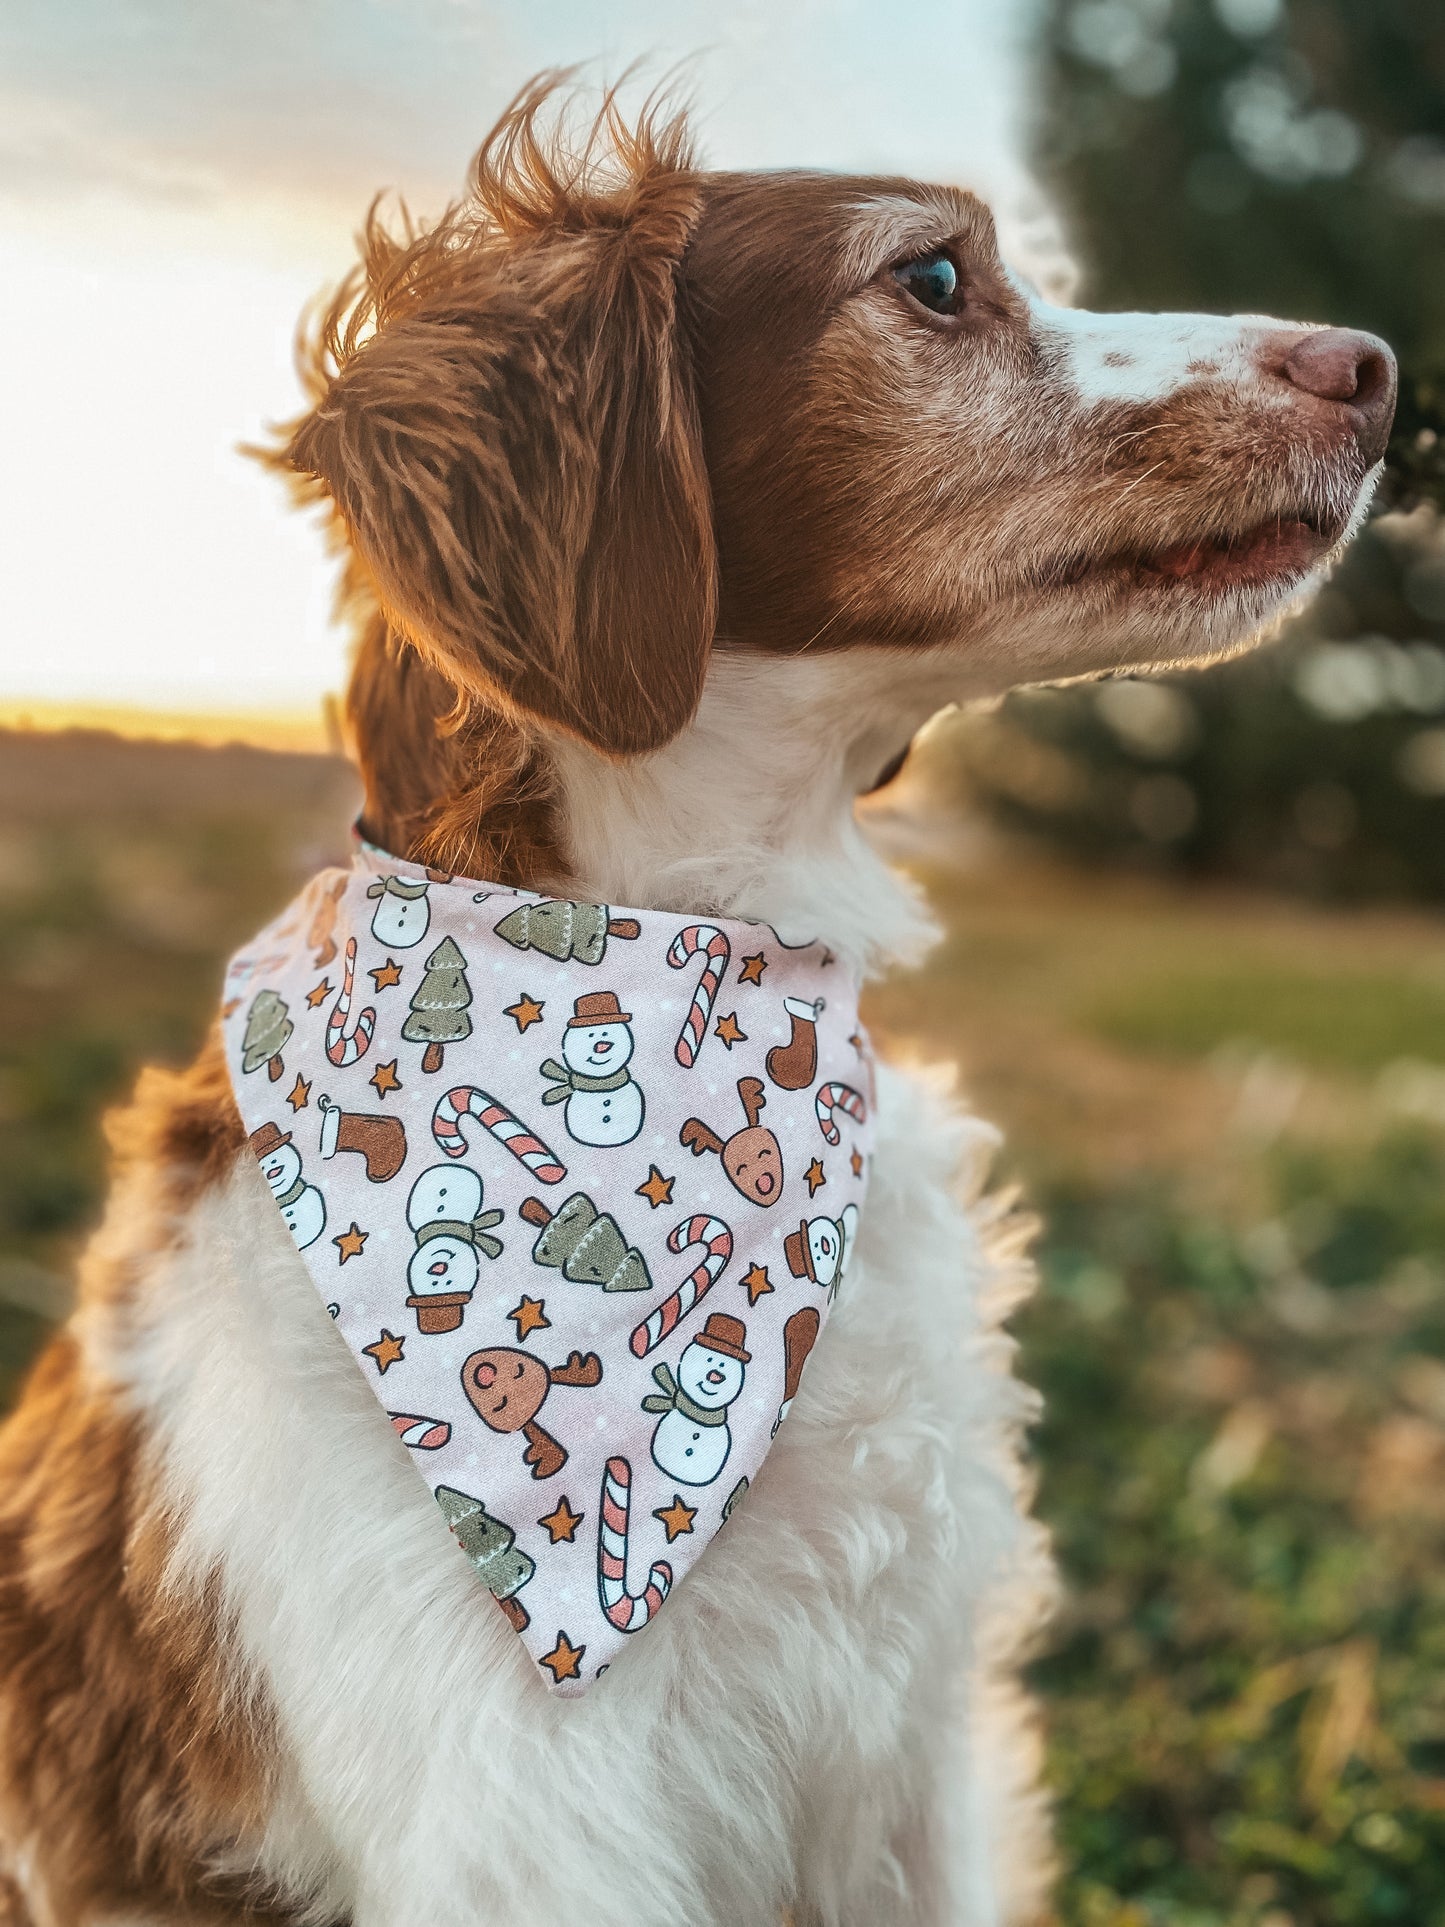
(578, 1186)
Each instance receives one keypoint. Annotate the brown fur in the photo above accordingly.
(131, 1755)
(449, 780)
(510, 438)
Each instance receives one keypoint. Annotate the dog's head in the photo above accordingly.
(601, 425)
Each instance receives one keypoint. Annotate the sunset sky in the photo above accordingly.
(178, 177)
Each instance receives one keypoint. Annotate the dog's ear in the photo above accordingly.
(515, 455)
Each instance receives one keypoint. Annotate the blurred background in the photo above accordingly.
(1195, 926)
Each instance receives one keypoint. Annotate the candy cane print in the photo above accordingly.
(627, 1611)
(715, 943)
(837, 1097)
(426, 1434)
(510, 1132)
(717, 1243)
(348, 1038)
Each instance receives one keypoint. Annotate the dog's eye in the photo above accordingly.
(934, 282)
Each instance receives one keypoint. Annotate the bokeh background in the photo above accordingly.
(1194, 959)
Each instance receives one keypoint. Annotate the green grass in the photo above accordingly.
(1245, 1692)
(1240, 1338)
(1340, 1020)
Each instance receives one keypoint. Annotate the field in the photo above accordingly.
(1230, 1111)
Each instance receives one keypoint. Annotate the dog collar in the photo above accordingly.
(677, 1209)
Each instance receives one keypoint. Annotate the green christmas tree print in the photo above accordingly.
(439, 1005)
(268, 1026)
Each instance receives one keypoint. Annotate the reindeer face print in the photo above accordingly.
(754, 1161)
(506, 1387)
(751, 1157)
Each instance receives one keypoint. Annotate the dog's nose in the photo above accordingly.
(1355, 369)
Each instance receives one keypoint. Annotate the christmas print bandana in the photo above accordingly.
(578, 1186)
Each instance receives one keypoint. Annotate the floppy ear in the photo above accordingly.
(516, 458)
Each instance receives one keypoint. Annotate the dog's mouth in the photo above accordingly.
(1269, 553)
(1280, 547)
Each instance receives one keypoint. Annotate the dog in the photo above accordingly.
(673, 503)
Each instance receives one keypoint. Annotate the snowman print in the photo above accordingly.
(445, 1213)
(402, 916)
(820, 1248)
(605, 1106)
(692, 1440)
(301, 1204)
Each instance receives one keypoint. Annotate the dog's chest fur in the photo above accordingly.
(787, 1734)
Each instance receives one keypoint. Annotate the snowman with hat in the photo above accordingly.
(820, 1248)
(692, 1439)
(604, 1104)
(300, 1203)
(445, 1214)
(402, 913)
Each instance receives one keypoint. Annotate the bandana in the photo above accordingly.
(578, 1186)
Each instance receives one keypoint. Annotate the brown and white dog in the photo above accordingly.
(674, 503)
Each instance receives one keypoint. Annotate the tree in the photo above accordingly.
(492, 1548)
(586, 1245)
(439, 1005)
(268, 1027)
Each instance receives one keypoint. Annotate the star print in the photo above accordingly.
(525, 1012)
(564, 1659)
(386, 1351)
(677, 1517)
(351, 1243)
(530, 1316)
(319, 994)
(385, 975)
(727, 1029)
(826, 958)
(756, 1283)
(563, 1523)
(657, 1189)
(300, 1094)
(857, 1162)
(814, 1176)
(753, 968)
(384, 1079)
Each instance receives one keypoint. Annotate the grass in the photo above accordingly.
(1240, 1330)
(1240, 1336)
(1350, 1020)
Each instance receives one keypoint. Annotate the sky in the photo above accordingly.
(179, 177)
